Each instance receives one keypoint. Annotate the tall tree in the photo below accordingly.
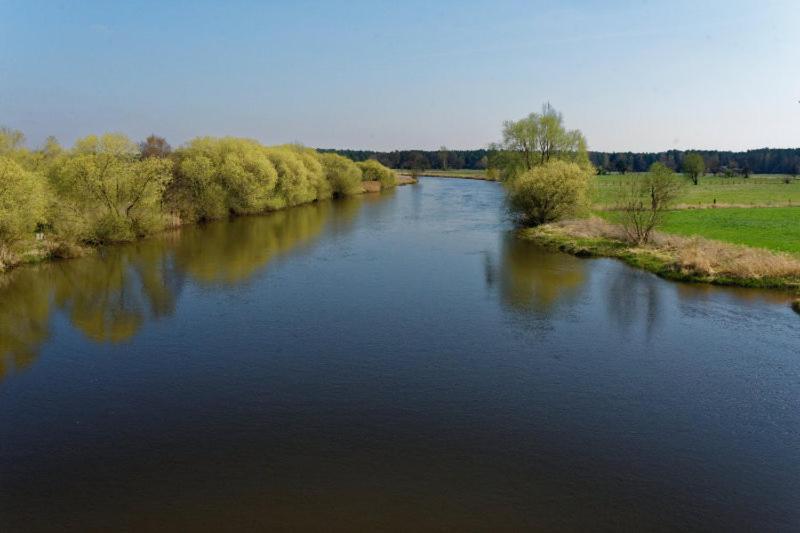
(540, 137)
(693, 166)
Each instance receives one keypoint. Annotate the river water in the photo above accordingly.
(390, 362)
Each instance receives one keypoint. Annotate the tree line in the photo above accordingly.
(720, 162)
(108, 188)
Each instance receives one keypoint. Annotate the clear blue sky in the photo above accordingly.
(633, 75)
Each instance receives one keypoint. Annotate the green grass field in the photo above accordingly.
(776, 228)
(758, 190)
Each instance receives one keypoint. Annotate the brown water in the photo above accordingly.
(395, 363)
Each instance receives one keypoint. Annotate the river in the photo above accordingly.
(390, 362)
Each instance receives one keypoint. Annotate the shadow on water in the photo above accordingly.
(109, 295)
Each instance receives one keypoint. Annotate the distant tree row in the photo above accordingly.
(107, 188)
(441, 159)
(759, 161)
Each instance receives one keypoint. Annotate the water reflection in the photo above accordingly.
(633, 297)
(24, 317)
(533, 279)
(109, 295)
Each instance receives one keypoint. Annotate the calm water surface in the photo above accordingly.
(394, 362)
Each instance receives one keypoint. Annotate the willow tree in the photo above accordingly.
(22, 202)
(216, 177)
(342, 173)
(535, 140)
(108, 191)
(373, 170)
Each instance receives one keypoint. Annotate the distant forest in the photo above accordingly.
(760, 161)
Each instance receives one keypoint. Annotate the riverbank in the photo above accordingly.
(691, 259)
(461, 174)
(375, 185)
(47, 249)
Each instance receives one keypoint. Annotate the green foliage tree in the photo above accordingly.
(693, 166)
(535, 140)
(644, 200)
(22, 202)
(218, 177)
(372, 170)
(548, 192)
(105, 184)
(297, 183)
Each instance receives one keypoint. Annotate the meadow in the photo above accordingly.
(775, 228)
(766, 213)
(765, 190)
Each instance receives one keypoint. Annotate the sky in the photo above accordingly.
(632, 75)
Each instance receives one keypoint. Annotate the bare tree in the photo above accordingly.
(644, 200)
(155, 146)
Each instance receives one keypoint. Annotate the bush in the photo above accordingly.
(372, 170)
(295, 184)
(22, 201)
(549, 192)
(315, 173)
(217, 177)
(343, 174)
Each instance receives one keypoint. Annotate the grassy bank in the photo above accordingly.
(673, 257)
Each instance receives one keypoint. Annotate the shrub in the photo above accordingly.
(372, 170)
(315, 173)
(342, 173)
(295, 184)
(549, 192)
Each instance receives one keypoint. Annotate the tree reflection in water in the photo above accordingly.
(533, 279)
(110, 294)
(24, 317)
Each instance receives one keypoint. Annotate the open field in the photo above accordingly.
(758, 190)
(773, 228)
